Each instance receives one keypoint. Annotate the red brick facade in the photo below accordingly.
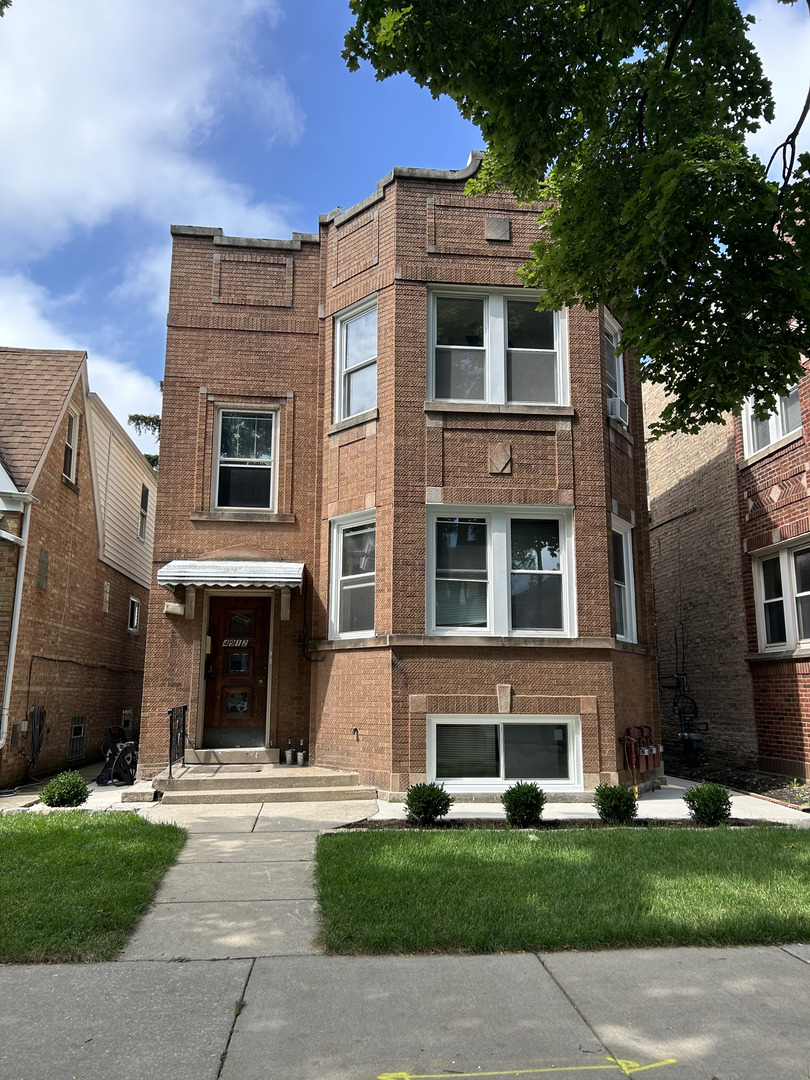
(72, 657)
(252, 324)
(719, 509)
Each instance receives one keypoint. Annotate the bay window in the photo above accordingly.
(499, 571)
(496, 347)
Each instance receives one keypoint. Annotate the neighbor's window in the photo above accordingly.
(356, 360)
(496, 347)
(497, 571)
(784, 420)
(144, 514)
(783, 598)
(134, 614)
(71, 446)
(623, 584)
(354, 542)
(245, 474)
(489, 753)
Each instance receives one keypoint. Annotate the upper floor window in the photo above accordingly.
(783, 421)
(623, 581)
(496, 347)
(356, 360)
(144, 514)
(782, 582)
(614, 371)
(245, 476)
(497, 571)
(354, 543)
(71, 446)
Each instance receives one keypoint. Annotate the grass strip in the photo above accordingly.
(476, 891)
(73, 884)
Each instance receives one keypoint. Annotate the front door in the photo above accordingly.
(236, 671)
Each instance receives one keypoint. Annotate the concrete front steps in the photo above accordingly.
(257, 783)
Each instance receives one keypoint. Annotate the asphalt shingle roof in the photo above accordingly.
(34, 384)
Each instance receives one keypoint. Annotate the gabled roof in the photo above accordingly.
(34, 388)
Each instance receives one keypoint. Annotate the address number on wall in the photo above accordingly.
(235, 642)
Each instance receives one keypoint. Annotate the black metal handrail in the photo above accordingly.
(177, 735)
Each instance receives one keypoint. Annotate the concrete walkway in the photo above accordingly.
(221, 981)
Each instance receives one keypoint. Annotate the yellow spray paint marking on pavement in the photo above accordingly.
(626, 1068)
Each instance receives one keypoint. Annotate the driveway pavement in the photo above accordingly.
(222, 980)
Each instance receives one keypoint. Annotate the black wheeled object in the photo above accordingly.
(122, 759)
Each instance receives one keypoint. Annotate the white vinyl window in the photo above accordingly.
(499, 571)
(134, 615)
(614, 371)
(71, 446)
(623, 581)
(480, 753)
(782, 584)
(244, 477)
(356, 360)
(354, 543)
(782, 422)
(144, 513)
(496, 347)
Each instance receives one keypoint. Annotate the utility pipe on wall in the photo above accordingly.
(22, 541)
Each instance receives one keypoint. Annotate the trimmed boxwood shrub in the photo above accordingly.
(615, 804)
(523, 803)
(426, 803)
(709, 804)
(66, 789)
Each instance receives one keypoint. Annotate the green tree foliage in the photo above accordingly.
(628, 120)
(147, 422)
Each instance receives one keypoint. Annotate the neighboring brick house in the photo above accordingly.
(730, 545)
(77, 502)
(392, 501)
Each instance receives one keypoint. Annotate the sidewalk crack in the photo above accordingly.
(238, 1006)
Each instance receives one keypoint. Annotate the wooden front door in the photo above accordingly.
(236, 671)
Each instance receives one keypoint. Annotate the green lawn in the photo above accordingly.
(482, 891)
(73, 884)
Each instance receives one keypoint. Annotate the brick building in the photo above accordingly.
(77, 502)
(730, 547)
(396, 519)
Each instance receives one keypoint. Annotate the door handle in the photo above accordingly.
(260, 682)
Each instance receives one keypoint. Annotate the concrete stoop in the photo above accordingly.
(257, 783)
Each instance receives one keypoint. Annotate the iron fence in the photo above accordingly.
(177, 735)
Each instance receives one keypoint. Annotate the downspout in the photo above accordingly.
(22, 542)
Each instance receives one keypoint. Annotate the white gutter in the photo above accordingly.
(22, 540)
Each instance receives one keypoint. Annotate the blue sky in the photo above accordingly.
(121, 118)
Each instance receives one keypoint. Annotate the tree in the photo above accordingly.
(149, 422)
(628, 120)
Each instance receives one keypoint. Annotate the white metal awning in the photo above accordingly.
(236, 573)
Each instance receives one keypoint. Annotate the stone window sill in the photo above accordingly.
(265, 516)
(556, 411)
(354, 421)
(387, 641)
(786, 440)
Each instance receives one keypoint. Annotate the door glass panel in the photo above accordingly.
(236, 704)
(240, 624)
(467, 750)
(238, 663)
(535, 751)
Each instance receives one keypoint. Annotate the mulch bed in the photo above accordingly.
(751, 781)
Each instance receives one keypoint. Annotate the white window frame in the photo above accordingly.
(787, 571)
(105, 598)
(625, 530)
(614, 331)
(134, 616)
(249, 410)
(72, 432)
(499, 569)
(491, 785)
(776, 422)
(143, 513)
(341, 321)
(337, 527)
(495, 342)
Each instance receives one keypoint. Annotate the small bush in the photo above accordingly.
(615, 804)
(66, 789)
(426, 803)
(523, 803)
(709, 804)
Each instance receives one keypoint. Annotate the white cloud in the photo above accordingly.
(781, 36)
(106, 105)
(146, 281)
(29, 320)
